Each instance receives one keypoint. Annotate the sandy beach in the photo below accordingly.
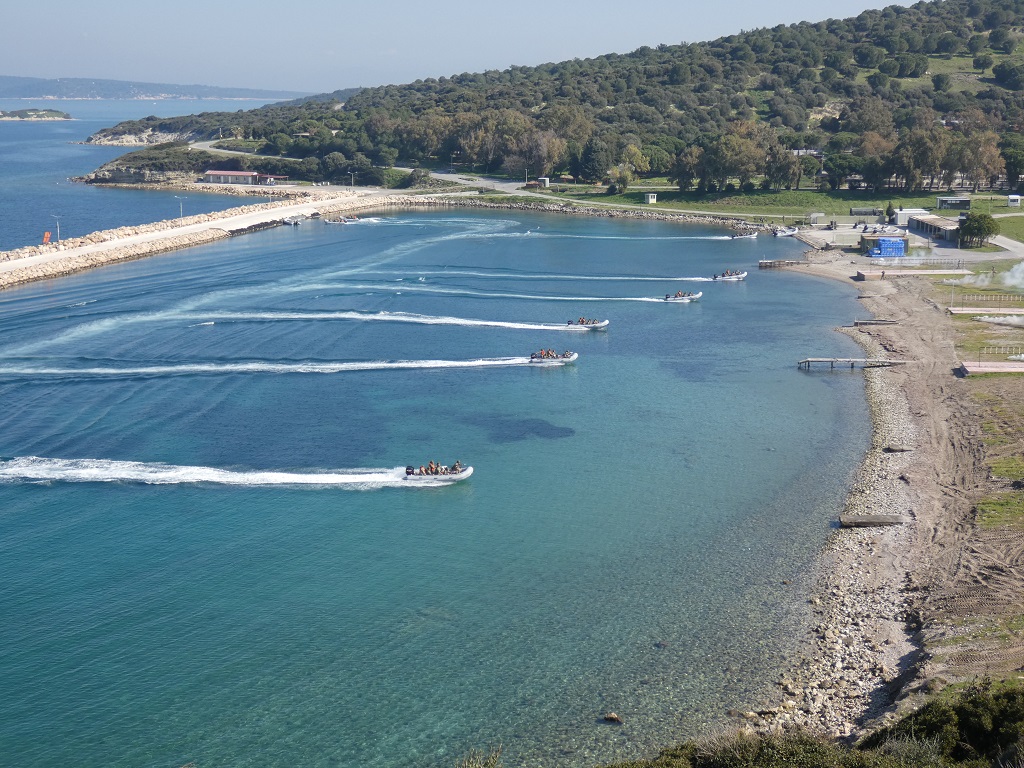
(883, 595)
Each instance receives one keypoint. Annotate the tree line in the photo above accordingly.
(857, 91)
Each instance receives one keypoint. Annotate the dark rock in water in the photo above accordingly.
(611, 717)
(661, 644)
(503, 429)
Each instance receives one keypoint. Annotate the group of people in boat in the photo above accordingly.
(584, 321)
(727, 273)
(549, 354)
(679, 295)
(435, 468)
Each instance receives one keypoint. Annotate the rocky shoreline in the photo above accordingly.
(861, 651)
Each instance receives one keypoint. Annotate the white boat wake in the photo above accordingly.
(437, 290)
(44, 470)
(192, 369)
(574, 278)
(392, 317)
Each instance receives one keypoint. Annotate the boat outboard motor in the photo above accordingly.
(410, 470)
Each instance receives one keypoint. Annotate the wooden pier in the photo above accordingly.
(875, 322)
(780, 263)
(867, 362)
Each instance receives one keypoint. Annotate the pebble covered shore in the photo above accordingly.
(860, 651)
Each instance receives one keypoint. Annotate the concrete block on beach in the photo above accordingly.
(872, 521)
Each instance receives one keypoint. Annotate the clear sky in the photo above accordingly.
(323, 45)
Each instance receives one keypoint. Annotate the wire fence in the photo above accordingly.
(1002, 350)
(1000, 298)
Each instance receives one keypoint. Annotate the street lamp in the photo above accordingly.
(180, 204)
(58, 225)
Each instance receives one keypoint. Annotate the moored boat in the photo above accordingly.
(684, 298)
(786, 231)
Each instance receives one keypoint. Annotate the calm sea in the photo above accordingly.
(206, 554)
(38, 158)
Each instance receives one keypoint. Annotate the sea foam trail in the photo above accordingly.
(36, 469)
(390, 317)
(437, 290)
(192, 369)
(574, 278)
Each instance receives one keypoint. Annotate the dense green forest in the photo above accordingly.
(905, 98)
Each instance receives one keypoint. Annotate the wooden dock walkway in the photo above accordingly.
(882, 274)
(867, 362)
(780, 263)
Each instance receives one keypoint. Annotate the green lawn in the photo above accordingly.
(786, 202)
(1012, 227)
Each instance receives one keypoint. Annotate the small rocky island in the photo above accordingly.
(34, 114)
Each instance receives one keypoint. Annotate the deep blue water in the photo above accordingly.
(38, 158)
(623, 544)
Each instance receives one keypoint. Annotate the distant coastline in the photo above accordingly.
(34, 115)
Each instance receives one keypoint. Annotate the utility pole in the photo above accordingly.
(181, 209)
(58, 225)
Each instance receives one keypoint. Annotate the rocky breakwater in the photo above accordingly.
(40, 262)
(571, 209)
(72, 262)
(861, 650)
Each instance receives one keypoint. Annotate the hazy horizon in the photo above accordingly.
(395, 43)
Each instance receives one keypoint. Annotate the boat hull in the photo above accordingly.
(542, 362)
(435, 479)
(683, 299)
(588, 326)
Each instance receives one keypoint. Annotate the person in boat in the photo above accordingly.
(456, 467)
(430, 467)
(679, 294)
(423, 470)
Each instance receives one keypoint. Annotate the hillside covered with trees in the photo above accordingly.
(900, 97)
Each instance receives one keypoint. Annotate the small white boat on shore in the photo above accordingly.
(596, 325)
(686, 298)
(413, 477)
(293, 221)
(786, 231)
(564, 359)
(733, 277)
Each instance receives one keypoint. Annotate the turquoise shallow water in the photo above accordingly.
(621, 546)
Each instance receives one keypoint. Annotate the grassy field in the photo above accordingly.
(785, 203)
